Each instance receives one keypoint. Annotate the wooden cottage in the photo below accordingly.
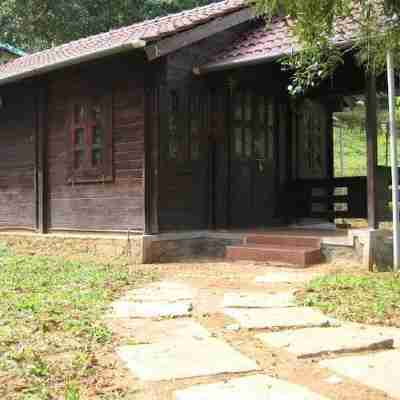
(176, 128)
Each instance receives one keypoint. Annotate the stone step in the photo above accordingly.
(274, 240)
(294, 255)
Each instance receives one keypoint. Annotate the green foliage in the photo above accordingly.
(4, 250)
(312, 65)
(72, 392)
(314, 26)
(56, 22)
(51, 329)
(367, 298)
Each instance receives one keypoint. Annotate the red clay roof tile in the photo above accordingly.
(273, 41)
(148, 31)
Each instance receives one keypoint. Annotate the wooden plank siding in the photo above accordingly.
(108, 206)
(17, 160)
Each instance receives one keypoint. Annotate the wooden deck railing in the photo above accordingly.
(331, 198)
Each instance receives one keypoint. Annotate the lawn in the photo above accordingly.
(372, 298)
(51, 329)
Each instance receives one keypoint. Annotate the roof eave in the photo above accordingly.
(127, 46)
(233, 63)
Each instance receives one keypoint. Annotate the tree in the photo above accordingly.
(38, 24)
(378, 30)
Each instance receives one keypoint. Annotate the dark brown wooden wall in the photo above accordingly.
(114, 206)
(17, 157)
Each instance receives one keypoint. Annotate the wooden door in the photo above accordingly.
(252, 160)
(184, 198)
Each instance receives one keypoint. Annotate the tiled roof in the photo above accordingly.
(106, 43)
(267, 43)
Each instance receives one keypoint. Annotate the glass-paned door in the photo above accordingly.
(252, 166)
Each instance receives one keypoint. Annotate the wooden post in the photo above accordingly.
(394, 161)
(41, 178)
(330, 161)
(372, 150)
(152, 157)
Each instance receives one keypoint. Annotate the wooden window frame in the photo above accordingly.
(174, 110)
(186, 106)
(196, 111)
(252, 124)
(87, 172)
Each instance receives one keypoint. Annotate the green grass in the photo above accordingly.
(50, 323)
(367, 298)
(355, 152)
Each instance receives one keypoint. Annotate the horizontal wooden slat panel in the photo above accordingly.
(17, 157)
(116, 205)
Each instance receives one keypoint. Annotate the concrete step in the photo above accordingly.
(288, 241)
(293, 255)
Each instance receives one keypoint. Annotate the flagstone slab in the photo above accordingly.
(184, 358)
(150, 331)
(378, 370)
(127, 309)
(258, 300)
(386, 330)
(285, 277)
(257, 387)
(268, 318)
(161, 292)
(314, 342)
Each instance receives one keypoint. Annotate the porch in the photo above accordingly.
(238, 156)
(290, 245)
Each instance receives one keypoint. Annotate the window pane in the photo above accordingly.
(195, 127)
(79, 113)
(238, 142)
(247, 107)
(247, 142)
(238, 107)
(173, 125)
(259, 143)
(97, 138)
(271, 114)
(78, 158)
(194, 139)
(270, 131)
(79, 137)
(96, 112)
(261, 110)
(97, 157)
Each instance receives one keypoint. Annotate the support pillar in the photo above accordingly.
(372, 150)
(152, 160)
(40, 163)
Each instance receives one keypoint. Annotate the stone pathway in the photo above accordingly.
(160, 300)
(327, 341)
(184, 358)
(278, 317)
(285, 277)
(163, 340)
(378, 370)
(257, 300)
(174, 349)
(256, 387)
